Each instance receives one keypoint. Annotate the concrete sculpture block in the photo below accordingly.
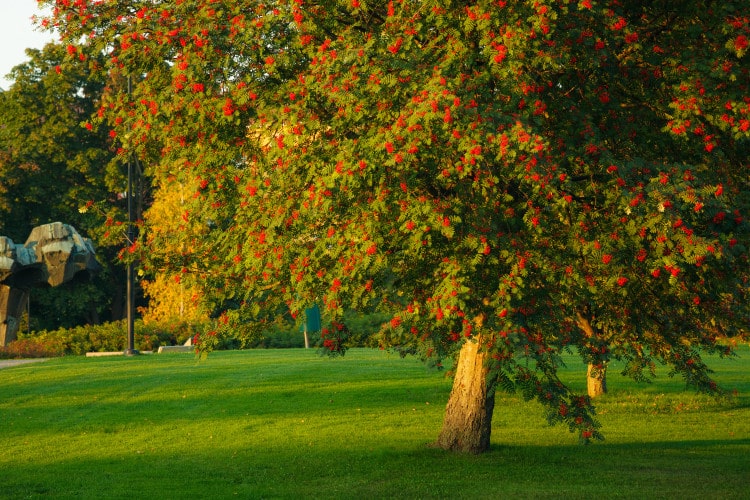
(52, 255)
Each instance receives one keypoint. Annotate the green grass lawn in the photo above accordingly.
(290, 424)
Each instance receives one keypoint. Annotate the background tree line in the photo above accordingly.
(55, 167)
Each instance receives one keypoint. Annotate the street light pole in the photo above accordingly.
(130, 303)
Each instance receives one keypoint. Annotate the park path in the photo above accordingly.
(7, 363)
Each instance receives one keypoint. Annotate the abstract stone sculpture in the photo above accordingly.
(53, 254)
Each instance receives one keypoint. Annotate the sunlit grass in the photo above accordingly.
(287, 423)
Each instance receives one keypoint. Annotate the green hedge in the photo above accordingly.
(112, 337)
(98, 338)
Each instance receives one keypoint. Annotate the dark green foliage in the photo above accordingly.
(280, 338)
(361, 330)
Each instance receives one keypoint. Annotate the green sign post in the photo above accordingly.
(312, 322)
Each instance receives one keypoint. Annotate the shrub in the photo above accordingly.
(360, 333)
(110, 337)
(29, 348)
(149, 336)
(363, 327)
(281, 338)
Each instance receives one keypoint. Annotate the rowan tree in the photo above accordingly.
(511, 181)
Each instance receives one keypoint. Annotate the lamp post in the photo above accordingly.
(130, 302)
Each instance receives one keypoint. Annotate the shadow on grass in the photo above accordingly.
(153, 469)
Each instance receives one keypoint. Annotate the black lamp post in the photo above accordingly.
(130, 302)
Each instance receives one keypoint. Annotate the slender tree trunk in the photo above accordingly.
(468, 415)
(596, 380)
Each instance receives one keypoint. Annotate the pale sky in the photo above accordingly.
(17, 33)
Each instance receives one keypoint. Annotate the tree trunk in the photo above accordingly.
(468, 415)
(596, 380)
(596, 375)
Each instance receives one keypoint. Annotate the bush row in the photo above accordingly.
(149, 336)
(29, 348)
(97, 338)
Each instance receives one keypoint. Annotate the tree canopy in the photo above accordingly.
(534, 177)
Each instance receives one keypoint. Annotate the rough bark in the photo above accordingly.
(468, 414)
(596, 380)
(596, 375)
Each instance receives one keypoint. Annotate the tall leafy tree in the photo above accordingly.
(53, 169)
(511, 181)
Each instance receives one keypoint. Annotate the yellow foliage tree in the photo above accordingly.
(172, 295)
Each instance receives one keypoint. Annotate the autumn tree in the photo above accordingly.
(171, 297)
(511, 181)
